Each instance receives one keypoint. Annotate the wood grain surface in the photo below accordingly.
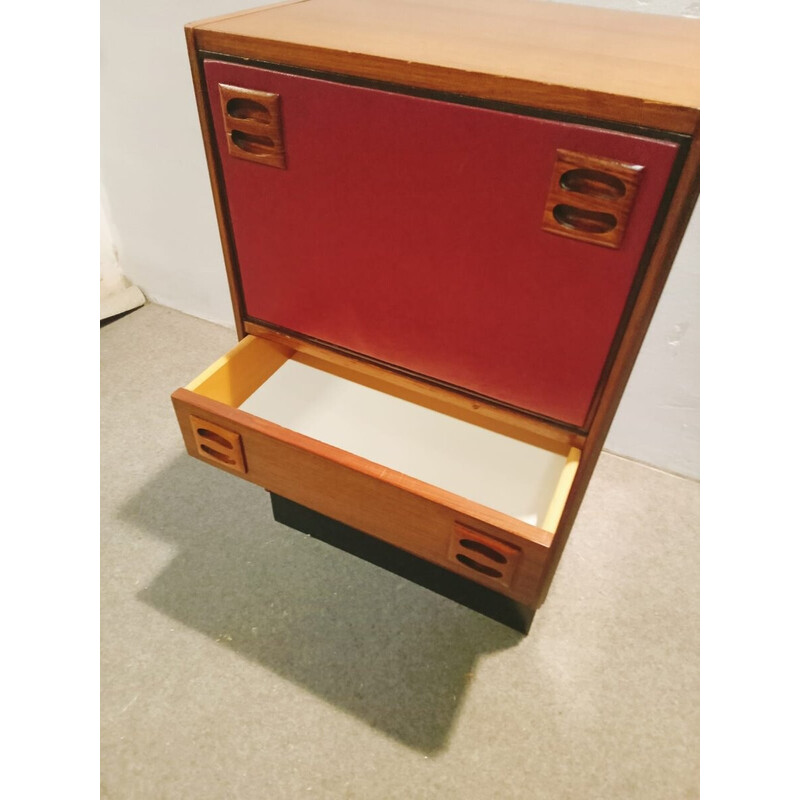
(615, 65)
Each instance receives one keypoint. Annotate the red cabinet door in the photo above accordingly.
(410, 230)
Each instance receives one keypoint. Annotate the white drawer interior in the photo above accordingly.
(508, 475)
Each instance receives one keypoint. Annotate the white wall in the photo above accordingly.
(111, 278)
(159, 200)
(676, 8)
(658, 421)
(152, 161)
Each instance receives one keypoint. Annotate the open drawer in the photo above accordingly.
(471, 488)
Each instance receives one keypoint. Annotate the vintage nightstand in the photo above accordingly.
(446, 227)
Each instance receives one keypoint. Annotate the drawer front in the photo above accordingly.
(490, 548)
(414, 231)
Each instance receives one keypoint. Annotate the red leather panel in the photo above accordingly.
(409, 230)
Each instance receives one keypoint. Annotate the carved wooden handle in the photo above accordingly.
(483, 554)
(581, 219)
(591, 198)
(218, 445)
(253, 125)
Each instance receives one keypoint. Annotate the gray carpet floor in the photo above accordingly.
(242, 659)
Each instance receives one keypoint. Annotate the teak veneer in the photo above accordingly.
(446, 227)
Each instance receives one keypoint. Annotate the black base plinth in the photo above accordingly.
(491, 604)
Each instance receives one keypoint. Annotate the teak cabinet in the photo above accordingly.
(446, 227)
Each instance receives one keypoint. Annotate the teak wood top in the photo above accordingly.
(640, 67)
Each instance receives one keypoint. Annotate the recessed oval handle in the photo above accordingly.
(214, 437)
(216, 454)
(594, 183)
(250, 143)
(484, 550)
(581, 219)
(243, 108)
(467, 561)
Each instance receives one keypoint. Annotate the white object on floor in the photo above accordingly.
(122, 299)
(479, 465)
(117, 295)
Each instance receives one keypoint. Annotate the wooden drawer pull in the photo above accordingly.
(216, 454)
(481, 553)
(214, 437)
(581, 219)
(253, 125)
(591, 198)
(593, 182)
(257, 145)
(484, 550)
(217, 444)
(244, 108)
(482, 568)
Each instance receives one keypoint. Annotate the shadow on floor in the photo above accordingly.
(393, 654)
